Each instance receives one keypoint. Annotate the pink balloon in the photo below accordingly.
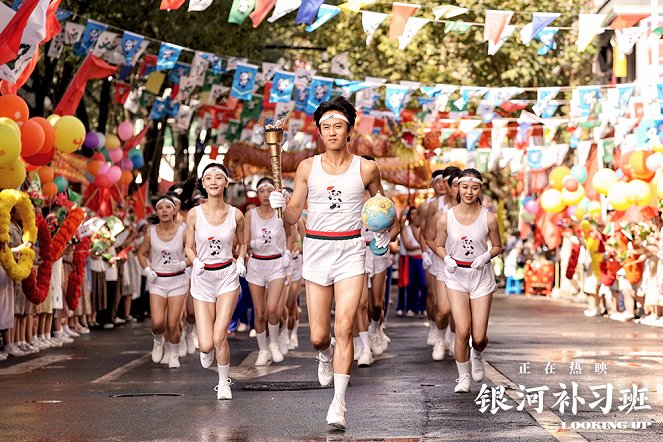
(114, 174)
(102, 181)
(127, 164)
(571, 210)
(125, 130)
(115, 155)
(532, 207)
(103, 169)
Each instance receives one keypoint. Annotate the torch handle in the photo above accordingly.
(275, 161)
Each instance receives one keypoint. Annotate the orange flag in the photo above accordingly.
(400, 12)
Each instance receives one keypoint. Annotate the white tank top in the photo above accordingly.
(464, 243)
(441, 205)
(270, 232)
(165, 256)
(335, 201)
(214, 244)
(407, 230)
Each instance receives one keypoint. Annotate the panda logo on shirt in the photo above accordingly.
(468, 246)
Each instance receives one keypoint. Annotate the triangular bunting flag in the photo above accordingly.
(340, 64)
(539, 21)
(508, 32)
(589, 26)
(282, 8)
(543, 97)
(628, 37)
(395, 97)
(400, 12)
(355, 5)
(261, 11)
(495, 23)
(308, 11)
(370, 21)
(412, 26)
(459, 27)
(448, 11)
(325, 13)
(167, 5)
(239, 10)
(201, 5)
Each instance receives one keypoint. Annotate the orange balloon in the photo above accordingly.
(46, 174)
(126, 178)
(634, 165)
(32, 138)
(49, 189)
(14, 107)
(49, 134)
(93, 167)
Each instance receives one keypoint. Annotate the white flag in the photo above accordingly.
(283, 110)
(508, 32)
(284, 7)
(132, 103)
(199, 5)
(412, 26)
(199, 66)
(628, 37)
(186, 87)
(232, 63)
(467, 125)
(371, 21)
(340, 64)
(183, 119)
(448, 11)
(105, 44)
(589, 26)
(56, 46)
(539, 21)
(73, 32)
(268, 70)
(143, 46)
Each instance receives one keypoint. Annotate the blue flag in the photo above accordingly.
(319, 91)
(472, 139)
(301, 94)
(158, 109)
(588, 97)
(283, 84)
(168, 55)
(130, 46)
(534, 158)
(172, 108)
(547, 37)
(17, 4)
(63, 14)
(245, 77)
(625, 94)
(395, 98)
(180, 70)
(308, 11)
(325, 13)
(214, 63)
(93, 30)
(539, 21)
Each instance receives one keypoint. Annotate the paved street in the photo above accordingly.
(105, 387)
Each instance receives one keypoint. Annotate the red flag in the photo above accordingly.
(548, 231)
(495, 23)
(121, 92)
(93, 67)
(266, 105)
(214, 153)
(171, 4)
(137, 139)
(139, 198)
(53, 27)
(10, 37)
(261, 11)
(8, 88)
(400, 12)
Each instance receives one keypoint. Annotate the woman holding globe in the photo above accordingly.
(463, 233)
(332, 186)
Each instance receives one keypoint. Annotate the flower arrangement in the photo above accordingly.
(75, 282)
(36, 289)
(10, 198)
(66, 231)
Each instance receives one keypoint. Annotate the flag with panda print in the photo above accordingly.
(282, 86)
(168, 55)
(93, 30)
(319, 91)
(245, 77)
(131, 45)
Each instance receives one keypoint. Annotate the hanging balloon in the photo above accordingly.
(603, 179)
(579, 173)
(654, 162)
(14, 107)
(551, 201)
(98, 157)
(557, 176)
(69, 134)
(61, 182)
(41, 158)
(103, 169)
(134, 152)
(659, 188)
(114, 174)
(13, 176)
(46, 174)
(10, 146)
(52, 119)
(638, 192)
(91, 140)
(634, 165)
(4, 121)
(112, 142)
(49, 189)
(580, 212)
(125, 130)
(571, 210)
(573, 198)
(126, 164)
(584, 203)
(526, 216)
(115, 155)
(570, 183)
(32, 138)
(49, 134)
(127, 177)
(618, 196)
(93, 167)
(102, 140)
(594, 209)
(102, 181)
(532, 206)
(138, 161)
(105, 154)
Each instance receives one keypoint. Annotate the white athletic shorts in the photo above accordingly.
(168, 286)
(328, 261)
(295, 268)
(261, 272)
(430, 253)
(437, 268)
(476, 282)
(214, 283)
(376, 264)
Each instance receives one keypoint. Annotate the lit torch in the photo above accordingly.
(273, 138)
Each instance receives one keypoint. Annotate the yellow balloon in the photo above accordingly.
(551, 201)
(12, 177)
(639, 192)
(585, 226)
(594, 209)
(10, 146)
(557, 176)
(69, 134)
(4, 121)
(618, 196)
(573, 198)
(112, 141)
(579, 213)
(603, 179)
(53, 118)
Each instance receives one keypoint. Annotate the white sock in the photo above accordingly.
(262, 341)
(476, 354)
(431, 326)
(224, 370)
(273, 333)
(463, 368)
(66, 328)
(373, 328)
(284, 327)
(189, 328)
(57, 333)
(167, 347)
(365, 341)
(294, 330)
(357, 343)
(439, 333)
(327, 354)
(158, 337)
(340, 385)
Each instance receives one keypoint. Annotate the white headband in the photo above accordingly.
(216, 169)
(164, 200)
(265, 184)
(173, 197)
(438, 177)
(470, 179)
(455, 181)
(337, 116)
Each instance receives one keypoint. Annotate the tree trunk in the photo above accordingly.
(104, 106)
(182, 156)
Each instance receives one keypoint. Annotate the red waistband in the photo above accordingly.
(218, 265)
(463, 264)
(314, 234)
(168, 275)
(266, 257)
(368, 243)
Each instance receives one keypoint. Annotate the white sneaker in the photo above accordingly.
(284, 342)
(294, 342)
(409, 314)
(13, 350)
(174, 361)
(399, 313)
(63, 337)
(55, 341)
(190, 343)
(430, 340)
(109, 326)
(591, 312)
(326, 369)
(165, 359)
(119, 321)
(365, 359)
(223, 392)
(157, 351)
(649, 320)
(439, 350)
(242, 327)
(463, 384)
(377, 346)
(83, 331)
(69, 332)
(182, 347)
(386, 339)
(277, 356)
(336, 413)
(477, 367)
(252, 333)
(264, 358)
(206, 359)
(41, 345)
(3, 355)
(27, 349)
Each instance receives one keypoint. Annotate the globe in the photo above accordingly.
(378, 213)
(377, 251)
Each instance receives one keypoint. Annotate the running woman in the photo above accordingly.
(210, 229)
(462, 241)
(161, 255)
(267, 236)
(295, 286)
(332, 185)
